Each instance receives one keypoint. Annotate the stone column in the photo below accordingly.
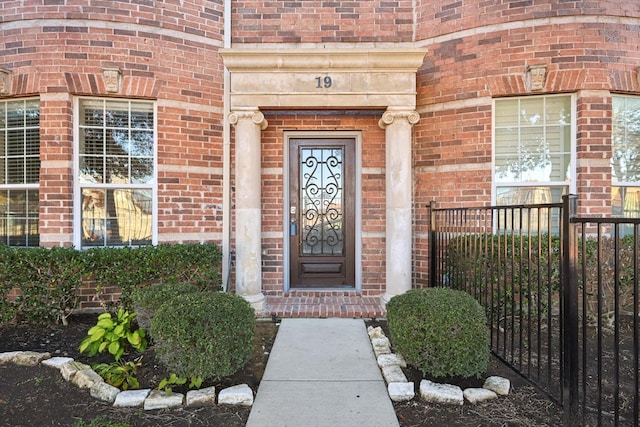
(398, 123)
(248, 236)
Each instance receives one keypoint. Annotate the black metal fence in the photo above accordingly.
(562, 299)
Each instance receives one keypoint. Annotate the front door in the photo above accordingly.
(322, 212)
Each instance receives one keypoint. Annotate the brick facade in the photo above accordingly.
(167, 52)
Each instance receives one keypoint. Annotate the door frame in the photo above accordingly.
(357, 136)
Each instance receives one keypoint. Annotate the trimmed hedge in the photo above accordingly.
(41, 285)
(440, 331)
(204, 334)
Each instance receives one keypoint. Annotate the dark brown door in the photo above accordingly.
(322, 212)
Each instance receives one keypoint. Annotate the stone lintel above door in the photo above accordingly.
(323, 78)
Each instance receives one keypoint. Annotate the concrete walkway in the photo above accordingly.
(322, 372)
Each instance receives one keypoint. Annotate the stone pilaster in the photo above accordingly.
(248, 124)
(398, 123)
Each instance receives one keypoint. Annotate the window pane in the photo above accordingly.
(91, 169)
(116, 217)
(32, 170)
(15, 170)
(625, 158)
(15, 142)
(142, 171)
(558, 110)
(19, 217)
(532, 111)
(92, 113)
(507, 113)
(625, 201)
(141, 144)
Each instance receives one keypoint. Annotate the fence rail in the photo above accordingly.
(561, 296)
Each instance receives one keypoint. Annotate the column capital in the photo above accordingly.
(253, 114)
(393, 113)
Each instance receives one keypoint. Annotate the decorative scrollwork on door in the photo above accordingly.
(321, 185)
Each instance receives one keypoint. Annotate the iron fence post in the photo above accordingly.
(432, 244)
(569, 286)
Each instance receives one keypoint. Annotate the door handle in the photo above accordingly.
(293, 223)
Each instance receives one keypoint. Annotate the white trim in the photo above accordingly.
(328, 134)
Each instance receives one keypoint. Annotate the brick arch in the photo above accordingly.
(132, 86)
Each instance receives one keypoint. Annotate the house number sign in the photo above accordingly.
(323, 82)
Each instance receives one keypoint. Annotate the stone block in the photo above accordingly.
(56, 362)
(103, 391)
(86, 378)
(391, 359)
(376, 332)
(381, 346)
(478, 395)
(159, 399)
(202, 397)
(131, 398)
(393, 374)
(441, 393)
(498, 385)
(7, 357)
(401, 392)
(239, 395)
(30, 358)
(68, 370)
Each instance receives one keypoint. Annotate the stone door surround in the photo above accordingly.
(322, 78)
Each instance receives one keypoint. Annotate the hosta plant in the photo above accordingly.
(120, 374)
(113, 334)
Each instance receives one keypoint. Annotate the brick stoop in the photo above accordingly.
(323, 305)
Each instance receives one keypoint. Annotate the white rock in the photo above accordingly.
(103, 391)
(391, 359)
(376, 332)
(56, 362)
(499, 385)
(7, 357)
(240, 395)
(441, 393)
(478, 395)
(159, 399)
(30, 358)
(381, 346)
(68, 370)
(401, 392)
(131, 398)
(393, 374)
(86, 378)
(202, 397)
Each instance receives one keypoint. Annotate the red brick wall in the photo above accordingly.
(167, 51)
(322, 21)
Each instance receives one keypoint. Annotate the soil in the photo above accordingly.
(39, 396)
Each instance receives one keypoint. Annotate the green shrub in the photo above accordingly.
(442, 332)
(204, 334)
(46, 283)
(132, 268)
(147, 300)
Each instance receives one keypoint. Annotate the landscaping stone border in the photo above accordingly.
(82, 376)
(401, 390)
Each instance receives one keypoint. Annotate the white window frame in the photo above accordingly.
(24, 185)
(570, 184)
(77, 186)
